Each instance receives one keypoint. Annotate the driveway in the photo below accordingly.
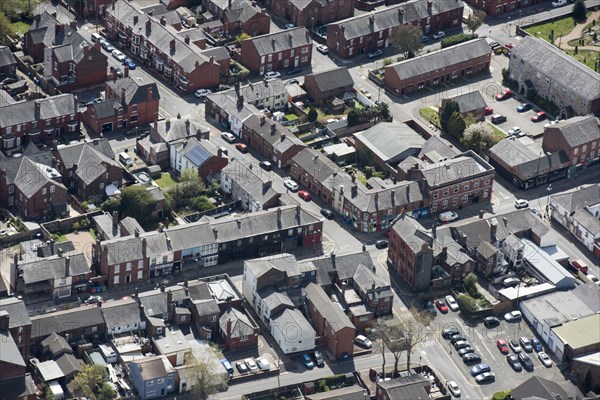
(82, 241)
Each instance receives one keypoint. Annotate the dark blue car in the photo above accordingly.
(128, 62)
(425, 39)
(524, 107)
(537, 345)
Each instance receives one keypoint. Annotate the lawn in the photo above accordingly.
(362, 179)
(290, 117)
(93, 233)
(165, 181)
(59, 238)
(561, 27)
(20, 27)
(585, 57)
(430, 115)
(498, 134)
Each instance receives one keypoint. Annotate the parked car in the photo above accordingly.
(461, 344)
(241, 147)
(524, 107)
(375, 53)
(513, 361)
(545, 359)
(452, 303)
(266, 165)
(536, 344)
(480, 369)
(498, 119)
(320, 361)
(306, 360)
(228, 137)
(466, 350)
(107, 46)
(263, 364)
(505, 94)
(457, 338)
(425, 39)
(290, 26)
(559, 3)
(323, 49)
(93, 300)
(438, 35)
(491, 322)
(494, 45)
(525, 344)
(128, 62)
(509, 45)
(304, 195)
(447, 333)
(488, 110)
(485, 377)
(242, 367)
(441, 305)
(118, 71)
(251, 365)
(448, 216)
(579, 265)
(118, 55)
(526, 361)
(272, 75)
(514, 345)
(510, 282)
(471, 358)
(290, 184)
(513, 316)
(202, 93)
(515, 130)
(294, 71)
(520, 203)
(431, 308)
(539, 116)
(327, 213)
(381, 244)
(502, 346)
(365, 92)
(363, 341)
(454, 389)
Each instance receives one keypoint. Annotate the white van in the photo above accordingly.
(96, 37)
(125, 159)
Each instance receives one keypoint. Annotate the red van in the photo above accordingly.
(580, 266)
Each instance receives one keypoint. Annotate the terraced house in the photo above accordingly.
(367, 32)
(156, 44)
(312, 13)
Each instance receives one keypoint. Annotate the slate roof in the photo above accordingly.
(390, 140)
(562, 69)
(241, 10)
(53, 267)
(135, 93)
(281, 41)
(9, 352)
(196, 151)
(5, 98)
(441, 147)
(272, 298)
(92, 159)
(131, 248)
(469, 102)
(251, 180)
(190, 235)
(331, 79)
(486, 249)
(389, 17)
(64, 321)
(375, 200)
(315, 163)
(18, 387)
(154, 302)
(19, 316)
(69, 364)
(412, 232)
(291, 318)
(413, 387)
(283, 262)
(199, 291)
(153, 367)
(6, 57)
(23, 112)
(365, 278)
(579, 198)
(440, 59)
(538, 387)
(332, 312)
(175, 129)
(56, 344)
(342, 266)
(120, 313)
(281, 138)
(455, 254)
(206, 307)
(453, 170)
(240, 323)
(577, 131)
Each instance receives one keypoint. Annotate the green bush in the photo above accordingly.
(467, 303)
(456, 39)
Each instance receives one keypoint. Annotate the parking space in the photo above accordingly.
(508, 108)
(483, 341)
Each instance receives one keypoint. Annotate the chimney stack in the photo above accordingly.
(429, 5)
(219, 152)
(148, 25)
(445, 252)
(137, 232)
(279, 216)
(298, 209)
(216, 233)
(59, 252)
(353, 178)
(354, 191)
(123, 91)
(161, 227)
(228, 326)
(144, 246)
(172, 45)
(162, 287)
(135, 19)
(67, 267)
(163, 21)
(36, 105)
(149, 94)
(187, 39)
(505, 220)
(115, 218)
(4, 320)
(262, 120)
(364, 247)
(481, 212)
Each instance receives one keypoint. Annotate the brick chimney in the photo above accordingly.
(73, 25)
(137, 232)
(67, 267)
(161, 227)
(172, 45)
(144, 244)
(36, 105)
(228, 326)
(481, 212)
(187, 39)
(216, 233)
(135, 19)
(86, 48)
(123, 91)
(149, 94)
(148, 25)
(262, 120)
(429, 5)
(219, 152)
(354, 190)
(162, 287)
(4, 320)
(115, 218)
(279, 216)
(163, 21)
(493, 227)
(273, 129)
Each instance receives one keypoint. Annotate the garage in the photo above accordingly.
(107, 127)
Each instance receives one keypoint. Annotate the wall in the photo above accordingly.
(66, 224)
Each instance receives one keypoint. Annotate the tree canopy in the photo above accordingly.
(478, 137)
(475, 20)
(446, 112)
(456, 125)
(406, 39)
(579, 10)
(91, 383)
(138, 203)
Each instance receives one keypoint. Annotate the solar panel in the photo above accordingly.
(198, 155)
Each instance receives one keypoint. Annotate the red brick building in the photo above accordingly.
(367, 32)
(499, 7)
(19, 323)
(429, 70)
(200, 155)
(312, 13)
(245, 16)
(578, 138)
(276, 51)
(8, 64)
(328, 84)
(238, 332)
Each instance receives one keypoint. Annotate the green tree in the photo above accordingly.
(456, 125)
(446, 112)
(138, 203)
(383, 111)
(466, 303)
(406, 39)
(201, 203)
(415, 331)
(111, 204)
(478, 137)
(6, 29)
(312, 115)
(471, 285)
(205, 380)
(579, 10)
(91, 383)
(475, 20)
(242, 36)
(353, 118)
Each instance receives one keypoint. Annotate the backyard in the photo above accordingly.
(20, 27)
(165, 181)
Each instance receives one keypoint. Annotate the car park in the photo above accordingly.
(241, 147)
(513, 361)
(520, 203)
(471, 358)
(272, 75)
(539, 116)
(504, 95)
(498, 119)
(327, 213)
(363, 341)
(491, 322)
(525, 344)
(375, 53)
(448, 216)
(502, 346)
(424, 39)
(263, 364)
(441, 305)
(454, 389)
(252, 367)
(513, 316)
(242, 367)
(488, 110)
(304, 195)
(452, 303)
(266, 165)
(438, 35)
(485, 377)
(526, 361)
(323, 49)
(524, 107)
(447, 333)
(480, 369)
(307, 361)
(536, 344)
(228, 137)
(515, 346)
(466, 350)
(290, 184)
(320, 361)
(545, 359)
(461, 344)
(457, 338)
(381, 244)
(202, 93)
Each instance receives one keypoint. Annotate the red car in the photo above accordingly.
(537, 117)
(304, 195)
(441, 305)
(241, 147)
(509, 45)
(502, 346)
(488, 111)
(505, 94)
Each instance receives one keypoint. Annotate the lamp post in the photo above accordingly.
(548, 190)
(509, 26)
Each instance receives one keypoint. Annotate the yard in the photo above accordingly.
(586, 57)
(165, 181)
(20, 27)
(561, 27)
(431, 115)
(498, 134)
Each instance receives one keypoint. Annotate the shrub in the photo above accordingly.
(456, 39)
(312, 115)
(466, 303)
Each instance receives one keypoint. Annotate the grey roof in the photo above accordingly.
(69, 364)
(64, 321)
(32, 176)
(253, 93)
(9, 352)
(92, 159)
(558, 307)
(18, 387)
(292, 319)
(121, 250)
(369, 283)
(19, 316)
(456, 169)
(120, 313)
(315, 163)
(6, 57)
(53, 267)
(487, 249)
(390, 140)
(440, 59)
(154, 302)
(273, 299)
(412, 232)
(107, 108)
(355, 392)
(5, 98)
(547, 266)
(242, 11)
(252, 179)
(175, 129)
(441, 147)
(539, 387)
(281, 138)
(198, 290)
(135, 92)
(455, 254)
(333, 78)
(190, 235)
(576, 131)
(343, 266)
(588, 221)
(283, 262)
(388, 17)
(579, 198)
(56, 344)
(468, 102)
(562, 69)
(240, 323)
(222, 290)
(413, 387)
(206, 307)
(332, 312)
(197, 152)
(374, 200)
(23, 112)
(152, 367)
(281, 41)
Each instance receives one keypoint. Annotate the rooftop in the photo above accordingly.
(391, 140)
(581, 333)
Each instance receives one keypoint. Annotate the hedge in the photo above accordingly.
(456, 39)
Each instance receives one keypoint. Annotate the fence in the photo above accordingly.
(66, 224)
(223, 209)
